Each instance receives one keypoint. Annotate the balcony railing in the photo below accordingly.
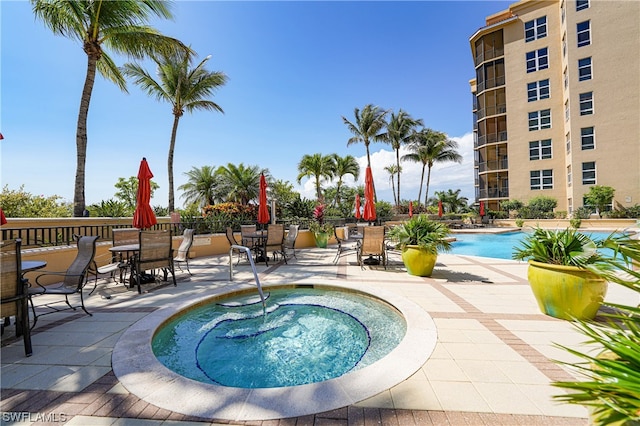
(493, 193)
(492, 110)
(490, 138)
(488, 54)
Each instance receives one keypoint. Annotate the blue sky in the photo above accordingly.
(294, 68)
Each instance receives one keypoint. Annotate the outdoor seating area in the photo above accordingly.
(492, 364)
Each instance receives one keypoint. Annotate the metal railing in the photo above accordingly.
(47, 236)
(253, 268)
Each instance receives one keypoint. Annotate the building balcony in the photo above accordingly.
(490, 138)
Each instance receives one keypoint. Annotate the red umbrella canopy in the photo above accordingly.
(144, 217)
(357, 214)
(440, 209)
(481, 208)
(369, 213)
(3, 219)
(410, 208)
(263, 209)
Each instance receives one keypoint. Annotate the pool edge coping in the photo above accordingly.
(144, 376)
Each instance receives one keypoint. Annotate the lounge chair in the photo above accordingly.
(233, 242)
(155, 253)
(290, 240)
(13, 291)
(372, 245)
(73, 279)
(274, 242)
(183, 251)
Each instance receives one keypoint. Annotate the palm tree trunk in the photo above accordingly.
(172, 145)
(398, 162)
(421, 182)
(426, 195)
(81, 137)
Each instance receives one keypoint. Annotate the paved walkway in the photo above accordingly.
(492, 364)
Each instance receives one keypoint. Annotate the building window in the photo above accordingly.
(564, 45)
(584, 69)
(538, 90)
(568, 139)
(586, 103)
(565, 79)
(589, 173)
(582, 4)
(537, 60)
(541, 179)
(566, 111)
(584, 34)
(587, 138)
(569, 175)
(540, 150)
(535, 29)
(540, 120)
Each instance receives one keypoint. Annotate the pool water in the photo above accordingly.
(307, 336)
(498, 246)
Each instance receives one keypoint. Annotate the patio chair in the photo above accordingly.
(121, 237)
(372, 245)
(290, 240)
(13, 291)
(232, 241)
(73, 279)
(155, 253)
(342, 247)
(246, 230)
(183, 250)
(274, 242)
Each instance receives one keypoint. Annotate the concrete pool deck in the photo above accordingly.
(492, 364)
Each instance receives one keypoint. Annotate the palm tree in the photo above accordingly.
(347, 165)
(201, 187)
(430, 147)
(400, 131)
(367, 128)
(392, 169)
(317, 166)
(451, 200)
(121, 26)
(239, 183)
(184, 88)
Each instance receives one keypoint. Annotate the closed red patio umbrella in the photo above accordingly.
(263, 208)
(357, 213)
(369, 213)
(482, 208)
(3, 219)
(144, 217)
(410, 209)
(440, 209)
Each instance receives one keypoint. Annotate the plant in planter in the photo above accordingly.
(610, 387)
(321, 230)
(562, 265)
(420, 240)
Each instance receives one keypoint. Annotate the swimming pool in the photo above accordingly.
(499, 246)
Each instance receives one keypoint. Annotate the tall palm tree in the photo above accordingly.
(201, 187)
(317, 166)
(367, 128)
(392, 169)
(185, 88)
(347, 165)
(400, 131)
(120, 26)
(240, 183)
(430, 147)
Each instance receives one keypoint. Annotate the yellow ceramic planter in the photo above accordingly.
(566, 292)
(418, 261)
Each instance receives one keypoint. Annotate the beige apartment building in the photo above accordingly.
(557, 102)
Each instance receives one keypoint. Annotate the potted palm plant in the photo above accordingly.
(420, 240)
(563, 271)
(609, 384)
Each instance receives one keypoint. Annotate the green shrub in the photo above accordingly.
(519, 223)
